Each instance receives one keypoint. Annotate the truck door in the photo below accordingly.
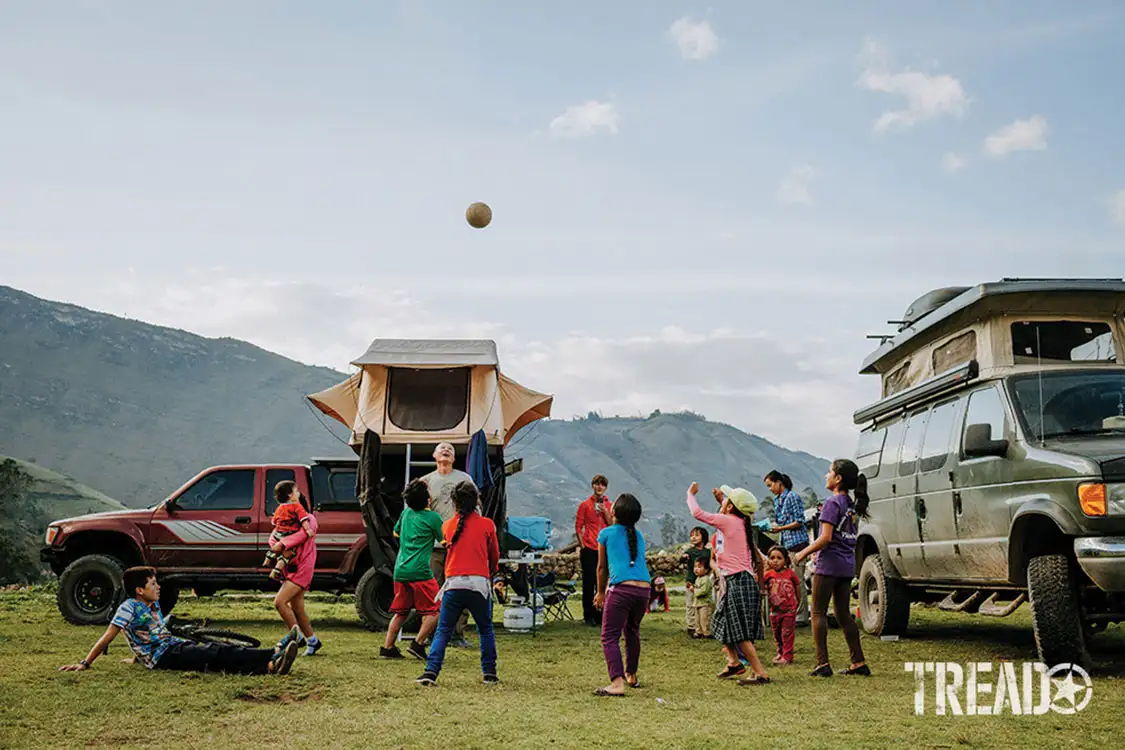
(264, 519)
(983, 491)
(210, 524)
(936, 522)
(337, 514)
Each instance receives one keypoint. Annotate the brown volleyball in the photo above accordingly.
(478, 215)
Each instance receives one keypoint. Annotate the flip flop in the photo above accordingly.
(602, 692)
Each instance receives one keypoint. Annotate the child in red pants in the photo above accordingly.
(782, 586)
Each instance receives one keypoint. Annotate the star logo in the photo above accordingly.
(1070, 695)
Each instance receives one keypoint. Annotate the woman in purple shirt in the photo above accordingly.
(835, 566)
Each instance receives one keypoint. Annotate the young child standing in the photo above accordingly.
(472, 559)
(417, 529)
(286, 522)
(703, 602)
(697, 550)
(782, 586)
(623, 593)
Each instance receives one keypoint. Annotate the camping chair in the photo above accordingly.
(555, 595)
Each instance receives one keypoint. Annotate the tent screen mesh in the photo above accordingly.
(427, 400)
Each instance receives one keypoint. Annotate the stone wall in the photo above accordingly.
(662, 563)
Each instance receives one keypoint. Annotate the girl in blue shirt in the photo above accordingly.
(623, 589)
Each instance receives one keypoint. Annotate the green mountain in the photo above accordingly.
(136, 410)
(30, 497)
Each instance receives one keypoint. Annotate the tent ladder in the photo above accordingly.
(411, 463)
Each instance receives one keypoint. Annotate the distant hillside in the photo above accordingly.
(136, 410)
(31, 497)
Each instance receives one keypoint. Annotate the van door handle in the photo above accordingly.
(921, 508)
(242, 519)
(957, 503)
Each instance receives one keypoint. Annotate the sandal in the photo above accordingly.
(634, 683)
(755, 680)
(731, 671)
(602, 692)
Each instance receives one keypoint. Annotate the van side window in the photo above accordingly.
(939, 437)
(869, 452)
(891, 446)
(912, 443)
(987, 407)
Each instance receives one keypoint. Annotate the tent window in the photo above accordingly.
(956, 351)
(896, 381)
(1062, 341)
(427, 400)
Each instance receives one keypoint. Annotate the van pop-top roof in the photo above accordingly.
(1001, 328)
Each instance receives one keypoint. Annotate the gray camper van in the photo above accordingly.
(996, 460)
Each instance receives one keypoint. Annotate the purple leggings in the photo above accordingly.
(625, 607)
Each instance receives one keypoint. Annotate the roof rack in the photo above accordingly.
(947, 381)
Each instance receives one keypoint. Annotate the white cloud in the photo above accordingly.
(953, 162)
(794, 187)
(1117, 208)
(927, 96)
(696, 39)
(586, 119)
(1021, 135)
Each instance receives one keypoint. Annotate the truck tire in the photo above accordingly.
(884, 602)
(90, 589)
(373, 596)
(1055, 617)
(169, 595)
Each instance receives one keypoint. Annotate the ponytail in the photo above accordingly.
(626, 512)
(851, 480)
(631, 533)
(861, 497)
(465, 497)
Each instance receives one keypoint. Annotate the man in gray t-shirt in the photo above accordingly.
(441, 482)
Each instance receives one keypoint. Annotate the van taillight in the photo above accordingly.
(1092, 499)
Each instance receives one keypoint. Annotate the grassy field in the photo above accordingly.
(346, 697)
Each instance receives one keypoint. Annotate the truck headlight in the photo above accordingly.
(1102, 499)
(52, 534)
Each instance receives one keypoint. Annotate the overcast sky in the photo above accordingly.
(700, 206)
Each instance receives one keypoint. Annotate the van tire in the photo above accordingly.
(1055, 617)
(90, 589)
(892, 614)
(373, 595)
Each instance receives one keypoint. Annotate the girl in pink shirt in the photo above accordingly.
(737, 621)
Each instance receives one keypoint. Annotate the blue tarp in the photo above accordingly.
(535, 530)
(477, 462)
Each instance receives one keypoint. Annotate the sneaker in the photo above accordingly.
(293, 636)
(314, 647)
(417, 650)
(427, 678)
(390, 653)
(460, 643)
(491, 679)
(288, 656)
(862, 669)
(822, 671)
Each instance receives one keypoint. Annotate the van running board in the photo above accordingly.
(950, 603)
(992, 609)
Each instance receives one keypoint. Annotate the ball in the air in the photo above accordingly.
(478, 215)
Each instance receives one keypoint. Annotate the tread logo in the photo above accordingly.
(977, 689)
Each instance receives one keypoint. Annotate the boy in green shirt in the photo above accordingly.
(704, 602)
(417, 530)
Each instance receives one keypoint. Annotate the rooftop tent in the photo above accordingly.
(427, 391)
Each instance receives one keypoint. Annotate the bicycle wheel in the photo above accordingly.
(229, 637)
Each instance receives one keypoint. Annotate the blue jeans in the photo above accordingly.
(453, 603)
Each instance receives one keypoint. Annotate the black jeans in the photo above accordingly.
(589, 559)
(215, 657)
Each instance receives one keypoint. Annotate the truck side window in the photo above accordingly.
(939, 437)
(273, 476)
(912, 443)
(227, 489)
(987, 407)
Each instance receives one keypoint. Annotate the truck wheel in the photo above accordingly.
(884, 602)
(90, 589)
(373, 596)
(1054, 612)
(169, 595)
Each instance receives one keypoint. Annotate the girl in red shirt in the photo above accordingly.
(472, 559)
(782, 585)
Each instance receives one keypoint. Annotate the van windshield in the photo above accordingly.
(1072, 403)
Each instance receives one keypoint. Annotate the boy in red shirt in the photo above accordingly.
(594, 514)
(782, 585)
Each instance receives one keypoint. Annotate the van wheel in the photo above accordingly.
(884, 602)
(90, 589)
(373, 596)
(1055, 619)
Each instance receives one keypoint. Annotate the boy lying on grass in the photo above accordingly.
(152, 645)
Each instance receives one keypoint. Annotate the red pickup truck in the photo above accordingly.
(212, 534)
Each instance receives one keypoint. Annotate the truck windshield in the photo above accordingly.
(1072, 403)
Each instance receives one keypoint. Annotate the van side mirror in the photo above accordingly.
(979, 442)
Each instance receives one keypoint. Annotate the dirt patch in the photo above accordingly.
(272, 694)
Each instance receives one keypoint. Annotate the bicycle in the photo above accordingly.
(197, 630)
